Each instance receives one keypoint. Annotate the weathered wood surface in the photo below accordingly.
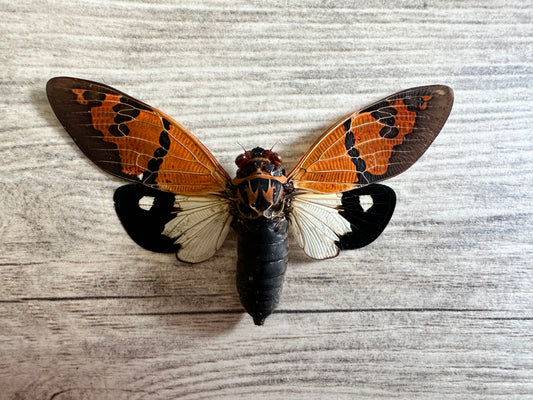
(439, 307)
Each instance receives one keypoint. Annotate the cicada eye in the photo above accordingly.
(275, 159)
(242, 159)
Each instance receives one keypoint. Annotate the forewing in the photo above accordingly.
(192, 226)
(132, 140)
(324, 224)
(375, 143)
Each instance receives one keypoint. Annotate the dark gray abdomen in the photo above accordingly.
(261, 264)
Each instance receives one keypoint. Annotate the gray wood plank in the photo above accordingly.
(440, 306)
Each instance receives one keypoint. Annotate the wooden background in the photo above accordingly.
(439, 307)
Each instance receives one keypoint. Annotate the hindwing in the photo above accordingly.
(324, 224)
(192, 226)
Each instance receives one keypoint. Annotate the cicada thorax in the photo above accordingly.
(261, 227)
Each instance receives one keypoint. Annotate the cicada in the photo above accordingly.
(183, 201)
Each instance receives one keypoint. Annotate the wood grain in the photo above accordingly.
(439, 307)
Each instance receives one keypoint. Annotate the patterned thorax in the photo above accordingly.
(259, 184)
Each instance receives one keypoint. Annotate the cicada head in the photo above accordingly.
(259, 162)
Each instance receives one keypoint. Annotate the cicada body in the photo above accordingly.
(262, 228)
(183, 201)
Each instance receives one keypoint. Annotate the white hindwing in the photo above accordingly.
(317, 223)
(200, 226)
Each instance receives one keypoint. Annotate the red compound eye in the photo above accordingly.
(275, 159)
(242, 159)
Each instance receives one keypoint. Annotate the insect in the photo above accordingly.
(183, 201)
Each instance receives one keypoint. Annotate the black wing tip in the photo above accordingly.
(62, 82)
(55, 85)
(58, 85)
(443, 92)
(443, 95)
(439, 89)
(62, 79)
(52, 87)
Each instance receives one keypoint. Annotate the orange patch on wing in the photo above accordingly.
(376, 150)
(425, 103)
(334, 162)
(79, 96)
(183, 165)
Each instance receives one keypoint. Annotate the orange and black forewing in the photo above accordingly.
(375, 143)
(132, 140)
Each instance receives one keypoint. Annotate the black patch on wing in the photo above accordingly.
(145, 226)
(366, 225)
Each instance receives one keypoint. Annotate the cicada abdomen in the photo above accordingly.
(261, 264)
